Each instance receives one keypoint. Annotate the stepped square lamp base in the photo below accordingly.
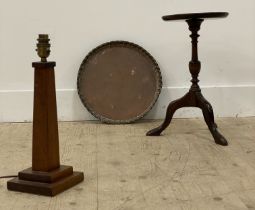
(46, 176)
(45, 183)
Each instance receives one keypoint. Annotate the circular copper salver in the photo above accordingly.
(119, 82)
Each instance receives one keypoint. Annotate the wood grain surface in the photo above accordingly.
(125, 170)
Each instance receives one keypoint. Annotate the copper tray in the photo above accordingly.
(119, 82)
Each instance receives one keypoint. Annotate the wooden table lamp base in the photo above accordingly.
(45, 183)
(47, 176)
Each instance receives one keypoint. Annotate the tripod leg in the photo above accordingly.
(172, 107)
(209, 119)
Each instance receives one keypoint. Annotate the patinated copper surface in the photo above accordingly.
(119, 82)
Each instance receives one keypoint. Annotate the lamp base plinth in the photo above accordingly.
(45, 183)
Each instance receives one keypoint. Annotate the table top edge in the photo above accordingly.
(203, 15)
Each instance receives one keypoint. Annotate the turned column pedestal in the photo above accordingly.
(194, 97)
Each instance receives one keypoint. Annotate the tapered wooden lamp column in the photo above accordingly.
(47, 176)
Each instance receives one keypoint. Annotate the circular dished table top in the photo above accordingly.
(202, 15)
(119, 82)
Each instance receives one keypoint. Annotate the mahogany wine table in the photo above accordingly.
(194, 97)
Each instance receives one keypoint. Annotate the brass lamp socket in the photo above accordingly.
(43, 47)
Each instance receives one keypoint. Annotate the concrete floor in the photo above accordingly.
(125, 170)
